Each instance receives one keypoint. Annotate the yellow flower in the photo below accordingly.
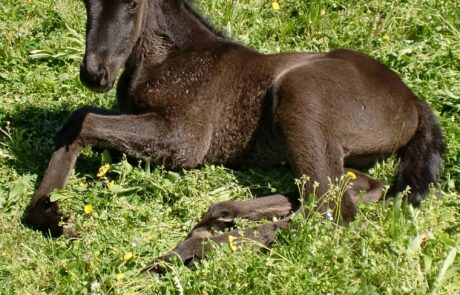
(110, 185)
(128, 256)
(103, 170)
(88, 209)
(120, 277)
(458, 55)
(231, 243)
(351, 175)
(385, 38)
(275, 5)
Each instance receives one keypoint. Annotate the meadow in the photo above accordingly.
(135, 212)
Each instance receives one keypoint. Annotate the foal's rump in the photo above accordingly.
(355, 100)
(365, 109)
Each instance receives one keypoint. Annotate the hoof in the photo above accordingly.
(165, 263)
(43, 215)
(160, 265)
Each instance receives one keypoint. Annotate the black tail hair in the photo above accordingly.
(421, 158)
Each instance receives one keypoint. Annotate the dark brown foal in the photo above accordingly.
(188, 96)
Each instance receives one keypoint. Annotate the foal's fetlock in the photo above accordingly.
(43, 215)
(223, 212)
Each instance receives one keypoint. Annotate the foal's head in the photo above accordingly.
(112, 29)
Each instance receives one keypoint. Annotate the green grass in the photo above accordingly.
(390, 248)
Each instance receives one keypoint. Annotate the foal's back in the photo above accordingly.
(356, 102)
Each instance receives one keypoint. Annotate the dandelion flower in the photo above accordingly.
(458, 56)
(110, 185)
(120, 277)
(275, 5)
(127, 256)
(231, 243)
(385, 38)
(88, 209)
(351, 175)
(103, 170)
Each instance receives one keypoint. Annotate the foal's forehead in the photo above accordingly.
(111, 2)
(112, 6)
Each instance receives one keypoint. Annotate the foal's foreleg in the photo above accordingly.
(195, 248)
(42, 214)
(133, 135)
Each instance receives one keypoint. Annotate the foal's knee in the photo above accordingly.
(71, 130)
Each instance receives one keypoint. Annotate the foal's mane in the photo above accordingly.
(189, 5)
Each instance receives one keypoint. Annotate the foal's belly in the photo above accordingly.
(363, 161)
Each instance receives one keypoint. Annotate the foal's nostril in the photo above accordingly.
(95, 77)
(103, 77)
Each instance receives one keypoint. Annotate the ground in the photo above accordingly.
(135, 212)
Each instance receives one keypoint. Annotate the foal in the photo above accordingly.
(187, 97)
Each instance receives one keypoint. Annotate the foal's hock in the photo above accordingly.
(188, 97)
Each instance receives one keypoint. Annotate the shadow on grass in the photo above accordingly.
(27, 139)
(267, 181)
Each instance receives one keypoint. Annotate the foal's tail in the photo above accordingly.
(421, 158)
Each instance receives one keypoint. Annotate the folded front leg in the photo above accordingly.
(140, 136)
(42, 214)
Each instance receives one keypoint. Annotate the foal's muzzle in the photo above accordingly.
(96, 78)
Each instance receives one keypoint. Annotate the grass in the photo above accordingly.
(140, 212)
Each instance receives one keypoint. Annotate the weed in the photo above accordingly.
(140, 211)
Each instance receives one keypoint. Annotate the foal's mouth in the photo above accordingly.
(96, 80)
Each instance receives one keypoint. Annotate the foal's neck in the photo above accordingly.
(169, 27)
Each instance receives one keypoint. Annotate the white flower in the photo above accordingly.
(329, 215)
(95, 286)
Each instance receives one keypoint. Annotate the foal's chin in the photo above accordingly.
(97, 87)
(95, 83)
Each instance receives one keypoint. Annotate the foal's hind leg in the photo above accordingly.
(322, 163)
(312, 149)
(223, 214)
(365, 189)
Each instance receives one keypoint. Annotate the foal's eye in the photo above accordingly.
(132, 5)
